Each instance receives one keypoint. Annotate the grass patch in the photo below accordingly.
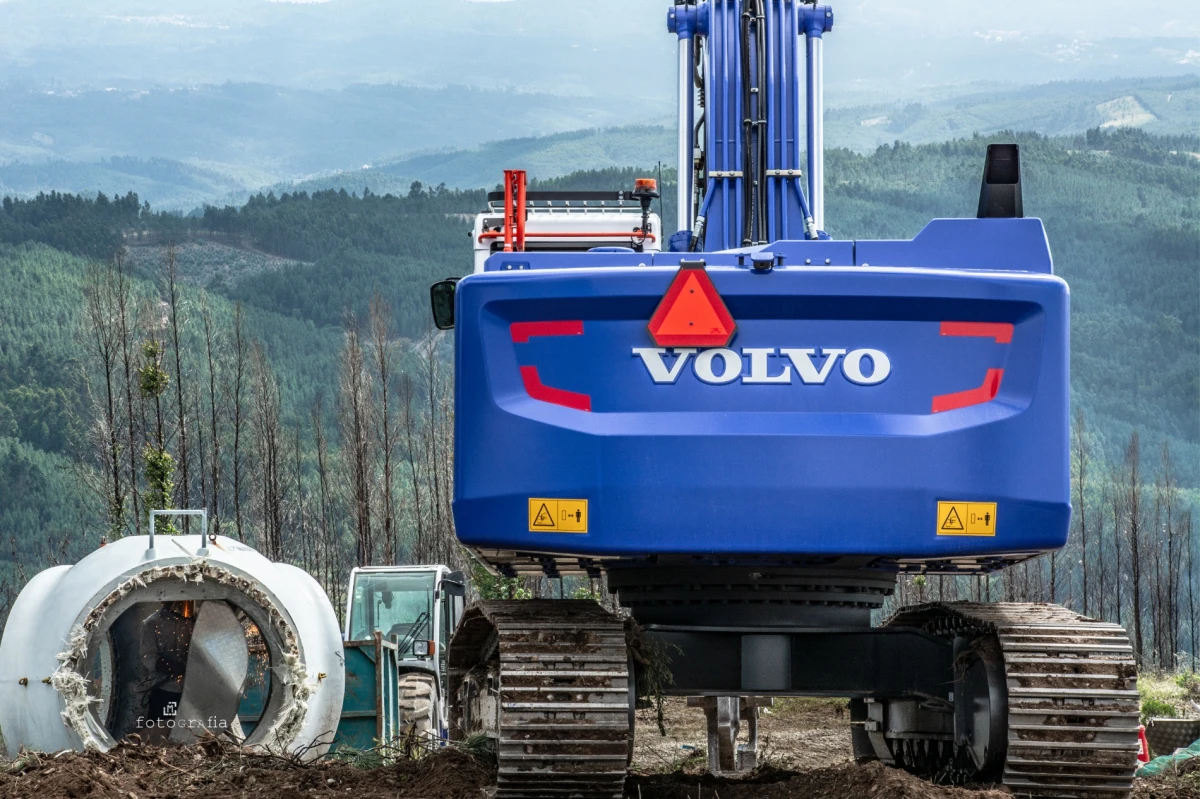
(476, 746)
(479, 747)
(1168, 695)
(788, 707)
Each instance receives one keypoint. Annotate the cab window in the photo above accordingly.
(397, 605)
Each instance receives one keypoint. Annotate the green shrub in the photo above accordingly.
(1190, 683)
(1157, 708)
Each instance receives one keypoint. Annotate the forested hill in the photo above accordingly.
(180, 149)
(1122, 210)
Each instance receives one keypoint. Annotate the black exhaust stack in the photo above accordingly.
(1000, 194)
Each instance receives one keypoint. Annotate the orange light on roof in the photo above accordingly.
(645, 184)
(692, 313)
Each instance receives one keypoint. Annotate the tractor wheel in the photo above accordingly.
(418, 712)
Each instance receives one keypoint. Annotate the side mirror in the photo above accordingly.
(441, 299)
(455, 584)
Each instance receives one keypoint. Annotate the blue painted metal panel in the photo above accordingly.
(999, 244)
(370, 709)
(995, 245)
(358, 726)
(1003, 245)
(794, 253)
(773, 470)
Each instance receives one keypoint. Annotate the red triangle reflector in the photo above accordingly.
(692, 313)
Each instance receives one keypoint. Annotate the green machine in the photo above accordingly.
(398, 623)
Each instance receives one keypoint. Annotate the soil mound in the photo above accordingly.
(131, 771)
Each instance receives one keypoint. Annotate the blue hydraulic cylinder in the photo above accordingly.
(818, 20)
(686, 21)
(730, 34)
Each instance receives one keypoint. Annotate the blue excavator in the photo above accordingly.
(751, 431)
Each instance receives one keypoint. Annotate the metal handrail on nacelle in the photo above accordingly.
(202, 513)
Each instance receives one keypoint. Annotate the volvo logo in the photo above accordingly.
(719, 366)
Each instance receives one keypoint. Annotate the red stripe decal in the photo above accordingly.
(523, 331)
(1001, 331)
(976, 396)
(555, 396)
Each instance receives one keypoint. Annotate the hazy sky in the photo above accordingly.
(1094, 19)
(568, 46)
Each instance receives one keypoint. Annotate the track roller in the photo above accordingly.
(1045, 701)
(549, 682)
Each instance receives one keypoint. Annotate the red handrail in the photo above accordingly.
(514, 210)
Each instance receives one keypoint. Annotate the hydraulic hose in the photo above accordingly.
(760, 123)
(810, 227)
(700, 165)
(754, 156)
(701, 219)
(748, 129)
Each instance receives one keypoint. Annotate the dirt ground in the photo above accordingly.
(804, 749)
(135, 772)
(794, 735)
(804, 753)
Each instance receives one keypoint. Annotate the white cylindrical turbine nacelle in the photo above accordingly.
(157, 643)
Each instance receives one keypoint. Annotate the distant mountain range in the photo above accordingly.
(254, 130)
(181, 149)
(1159, 105)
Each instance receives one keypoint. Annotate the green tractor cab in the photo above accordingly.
(398, 624)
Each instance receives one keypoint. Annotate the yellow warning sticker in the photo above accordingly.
(966, 518)
(558, 515)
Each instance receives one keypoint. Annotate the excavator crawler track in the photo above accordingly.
(549, 681)
(1072, 695)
